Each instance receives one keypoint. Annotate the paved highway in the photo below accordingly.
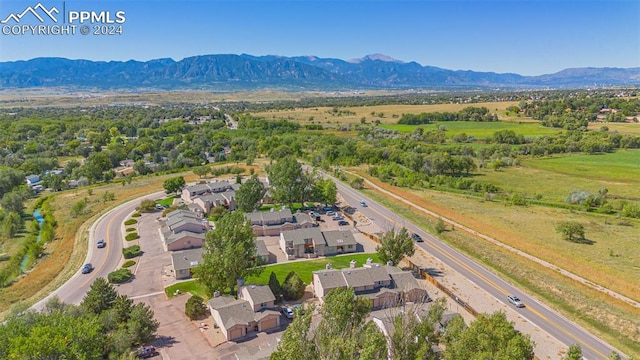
(105, 260)
(541, 316)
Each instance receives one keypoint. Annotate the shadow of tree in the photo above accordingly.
(583, 241)
(164, 341)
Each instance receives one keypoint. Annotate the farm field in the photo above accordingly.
(622, 166)
(622, 128)
(610, 260)
(386, 114)
(479, 130)
(554, 178)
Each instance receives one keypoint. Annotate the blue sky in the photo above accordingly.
(528, 37)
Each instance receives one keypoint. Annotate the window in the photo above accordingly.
(263, 305)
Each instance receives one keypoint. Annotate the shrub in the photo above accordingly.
(131, 222)
(293, 287)
(119, 276)
(136, 214)
(131, 229)
(131, 251)
(128, 263)
(195, 308)
(131, 236)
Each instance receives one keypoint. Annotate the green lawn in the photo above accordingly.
(479, 130)
(303, 268)
(168, 201)
(191, 286)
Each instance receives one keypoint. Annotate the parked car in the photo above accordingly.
(298, 307)
(101, 244)
(515, 301)
(86, 268)
(327, 208)
(159, 207)
(147, 352)
(338, 217)
(416, 237)
(286, 311)
(363, 204)
(343, 223)
(331, 213)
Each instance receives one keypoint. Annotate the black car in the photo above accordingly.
(343, 223)
(416, 237)
(87, 268)
(147, 352)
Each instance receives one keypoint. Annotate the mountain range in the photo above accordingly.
(246, 72)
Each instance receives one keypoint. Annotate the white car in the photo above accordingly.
(363, 204)
(286, 311)
(515, 301)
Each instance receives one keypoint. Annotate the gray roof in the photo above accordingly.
(339, 238)
(197, 188)
(331, 279)
(186, 259)
(299, 236)
(238, 312)
(302, 218)
(357, 277)
(173, 237)
(180, 213)
(378, 273)
(405, 281)
(275, 217)
(218, 186)
(185, 221)
(261, 248)
(259, 293)
(220, 301)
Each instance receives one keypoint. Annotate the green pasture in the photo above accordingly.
(479, 130)
(623, 165)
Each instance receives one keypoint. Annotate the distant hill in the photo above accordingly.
(247, 72)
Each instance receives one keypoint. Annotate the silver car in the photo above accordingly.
(515, 301)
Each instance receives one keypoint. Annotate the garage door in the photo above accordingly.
(235, 333)
(269, 324)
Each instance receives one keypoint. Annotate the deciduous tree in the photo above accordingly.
(395, 245)
(250, 194)
(229, 253)
(173, 184)
(570, 230)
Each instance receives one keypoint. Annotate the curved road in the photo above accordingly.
(105, 260)
(538, 314)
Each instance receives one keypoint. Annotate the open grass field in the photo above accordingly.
(612, 260)
(386, 114)
(622, 166)
(554, 178)
(622, 128)
(479, 130)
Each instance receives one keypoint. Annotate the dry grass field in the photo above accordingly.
(622, 128)
(386, 114)
(610, 261)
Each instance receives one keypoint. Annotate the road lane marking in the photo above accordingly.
(467, 267)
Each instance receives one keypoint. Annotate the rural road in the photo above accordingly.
(538, 314)
(105, 260)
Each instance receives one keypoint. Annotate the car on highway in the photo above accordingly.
(101, 243)
(86, 268)
(343, 223)
(287, 312)
(515, 301)
(363, 203)
(416, 237)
